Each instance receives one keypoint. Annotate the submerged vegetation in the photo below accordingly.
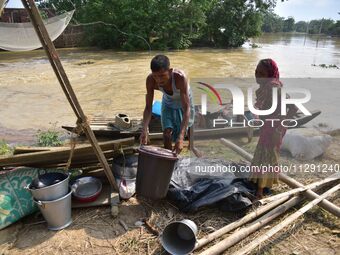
(326, 66)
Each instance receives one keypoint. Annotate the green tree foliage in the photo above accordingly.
(301, 26)
(335, 29)
(321, 26)
(288, 25)
(272, 22)
(171, 24)
(230, 23)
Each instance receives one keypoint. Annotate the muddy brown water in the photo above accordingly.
(107, 82)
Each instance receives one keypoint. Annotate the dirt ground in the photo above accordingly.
(95, 231)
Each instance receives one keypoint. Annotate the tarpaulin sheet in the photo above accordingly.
(198, 182)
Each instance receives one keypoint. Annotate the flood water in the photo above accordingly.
(108, 82)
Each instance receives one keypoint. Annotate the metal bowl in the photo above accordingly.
(86, 189)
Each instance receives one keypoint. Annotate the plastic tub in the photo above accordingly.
(155, 167)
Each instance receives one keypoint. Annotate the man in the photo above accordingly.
(177, 107)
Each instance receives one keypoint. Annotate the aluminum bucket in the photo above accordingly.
(179, 237)
(50, 192)
(57, 213)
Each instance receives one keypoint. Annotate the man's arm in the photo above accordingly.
(148, 108)
(184, 89)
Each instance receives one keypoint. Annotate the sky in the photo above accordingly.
(299, 9)
(308, 9)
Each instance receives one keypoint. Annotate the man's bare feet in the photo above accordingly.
(259, 193)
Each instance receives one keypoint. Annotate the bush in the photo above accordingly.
(5, 149)
(49, 138)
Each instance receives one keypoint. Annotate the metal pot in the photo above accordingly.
(57, 212)
(125, 166)
(53, 189)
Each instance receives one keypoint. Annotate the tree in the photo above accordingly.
(171, 24)
(231, 22)
(301, 26)
(335, 29)
(272, 22)
(289, 24)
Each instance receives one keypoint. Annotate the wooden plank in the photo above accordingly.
(29, 149)
(62, 154)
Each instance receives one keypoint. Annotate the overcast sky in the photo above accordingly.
(299, 9)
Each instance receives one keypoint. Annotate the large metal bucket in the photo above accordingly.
(51, 192)
(57, 213)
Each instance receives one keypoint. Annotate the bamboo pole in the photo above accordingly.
(279, 199)
(246, 231)
(325, 204)
(314, 185)
(249, 217)
(65, 84)
(251, 246)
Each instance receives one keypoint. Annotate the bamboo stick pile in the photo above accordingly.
(270, 209)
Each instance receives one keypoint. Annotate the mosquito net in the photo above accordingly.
(22, 36)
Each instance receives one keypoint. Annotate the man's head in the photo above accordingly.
(160, 67)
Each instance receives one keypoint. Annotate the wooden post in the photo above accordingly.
(65, 84)
(325, 204)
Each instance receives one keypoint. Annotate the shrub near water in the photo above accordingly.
(48, 138)
(4, 148)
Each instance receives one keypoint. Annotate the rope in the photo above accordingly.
(78, 129)
(111, 25)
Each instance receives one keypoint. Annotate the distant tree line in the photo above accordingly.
(273, 23)
(167, 24)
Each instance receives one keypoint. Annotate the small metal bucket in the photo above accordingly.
(51, 192)
(179, 237)
(57, 213)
